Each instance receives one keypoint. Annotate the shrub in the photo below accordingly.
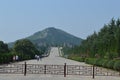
(90, 60)
(117, 65)
(97, 62)
(80, 59)
(105, 62)
(111, 64)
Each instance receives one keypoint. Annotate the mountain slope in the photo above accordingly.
(52, 36)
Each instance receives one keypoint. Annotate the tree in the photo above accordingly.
(25, 49)
(105, 43)
(5, 55)
(3, 47)
(118, 42)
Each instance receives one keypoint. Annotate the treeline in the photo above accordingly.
(24, 49)
(104, 44)
(4, 53)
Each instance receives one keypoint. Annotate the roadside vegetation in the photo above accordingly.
(101, 48)
(24, 49)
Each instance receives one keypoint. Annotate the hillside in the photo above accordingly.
(53, 37)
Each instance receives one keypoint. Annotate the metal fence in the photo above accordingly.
(56, 70)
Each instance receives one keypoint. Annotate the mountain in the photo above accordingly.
(53, 37)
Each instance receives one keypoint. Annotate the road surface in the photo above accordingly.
(54, 58)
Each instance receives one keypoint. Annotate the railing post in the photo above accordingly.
(44, 69)
(25, 69)
(119, 73)
(65, 70)
(93, 72)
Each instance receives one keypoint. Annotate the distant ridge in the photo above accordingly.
(52, 36)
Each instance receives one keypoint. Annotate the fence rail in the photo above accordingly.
(56, 70)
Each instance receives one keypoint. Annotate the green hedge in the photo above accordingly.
(104, 64)
(112, 64)
(117, 65)
(99, 62)
(80, 59)
(90, 60)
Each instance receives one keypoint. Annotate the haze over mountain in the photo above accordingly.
(52, 37)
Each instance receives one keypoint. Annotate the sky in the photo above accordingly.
(22, 18)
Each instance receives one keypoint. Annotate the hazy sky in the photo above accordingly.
(21, 18)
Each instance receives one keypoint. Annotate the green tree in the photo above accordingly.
(25, 49)
(5, 55)
(104, 44)
(3, 47)
(118, 42)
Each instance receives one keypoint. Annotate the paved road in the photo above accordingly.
(53, 59)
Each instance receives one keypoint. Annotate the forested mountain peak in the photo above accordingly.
(52, 36)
